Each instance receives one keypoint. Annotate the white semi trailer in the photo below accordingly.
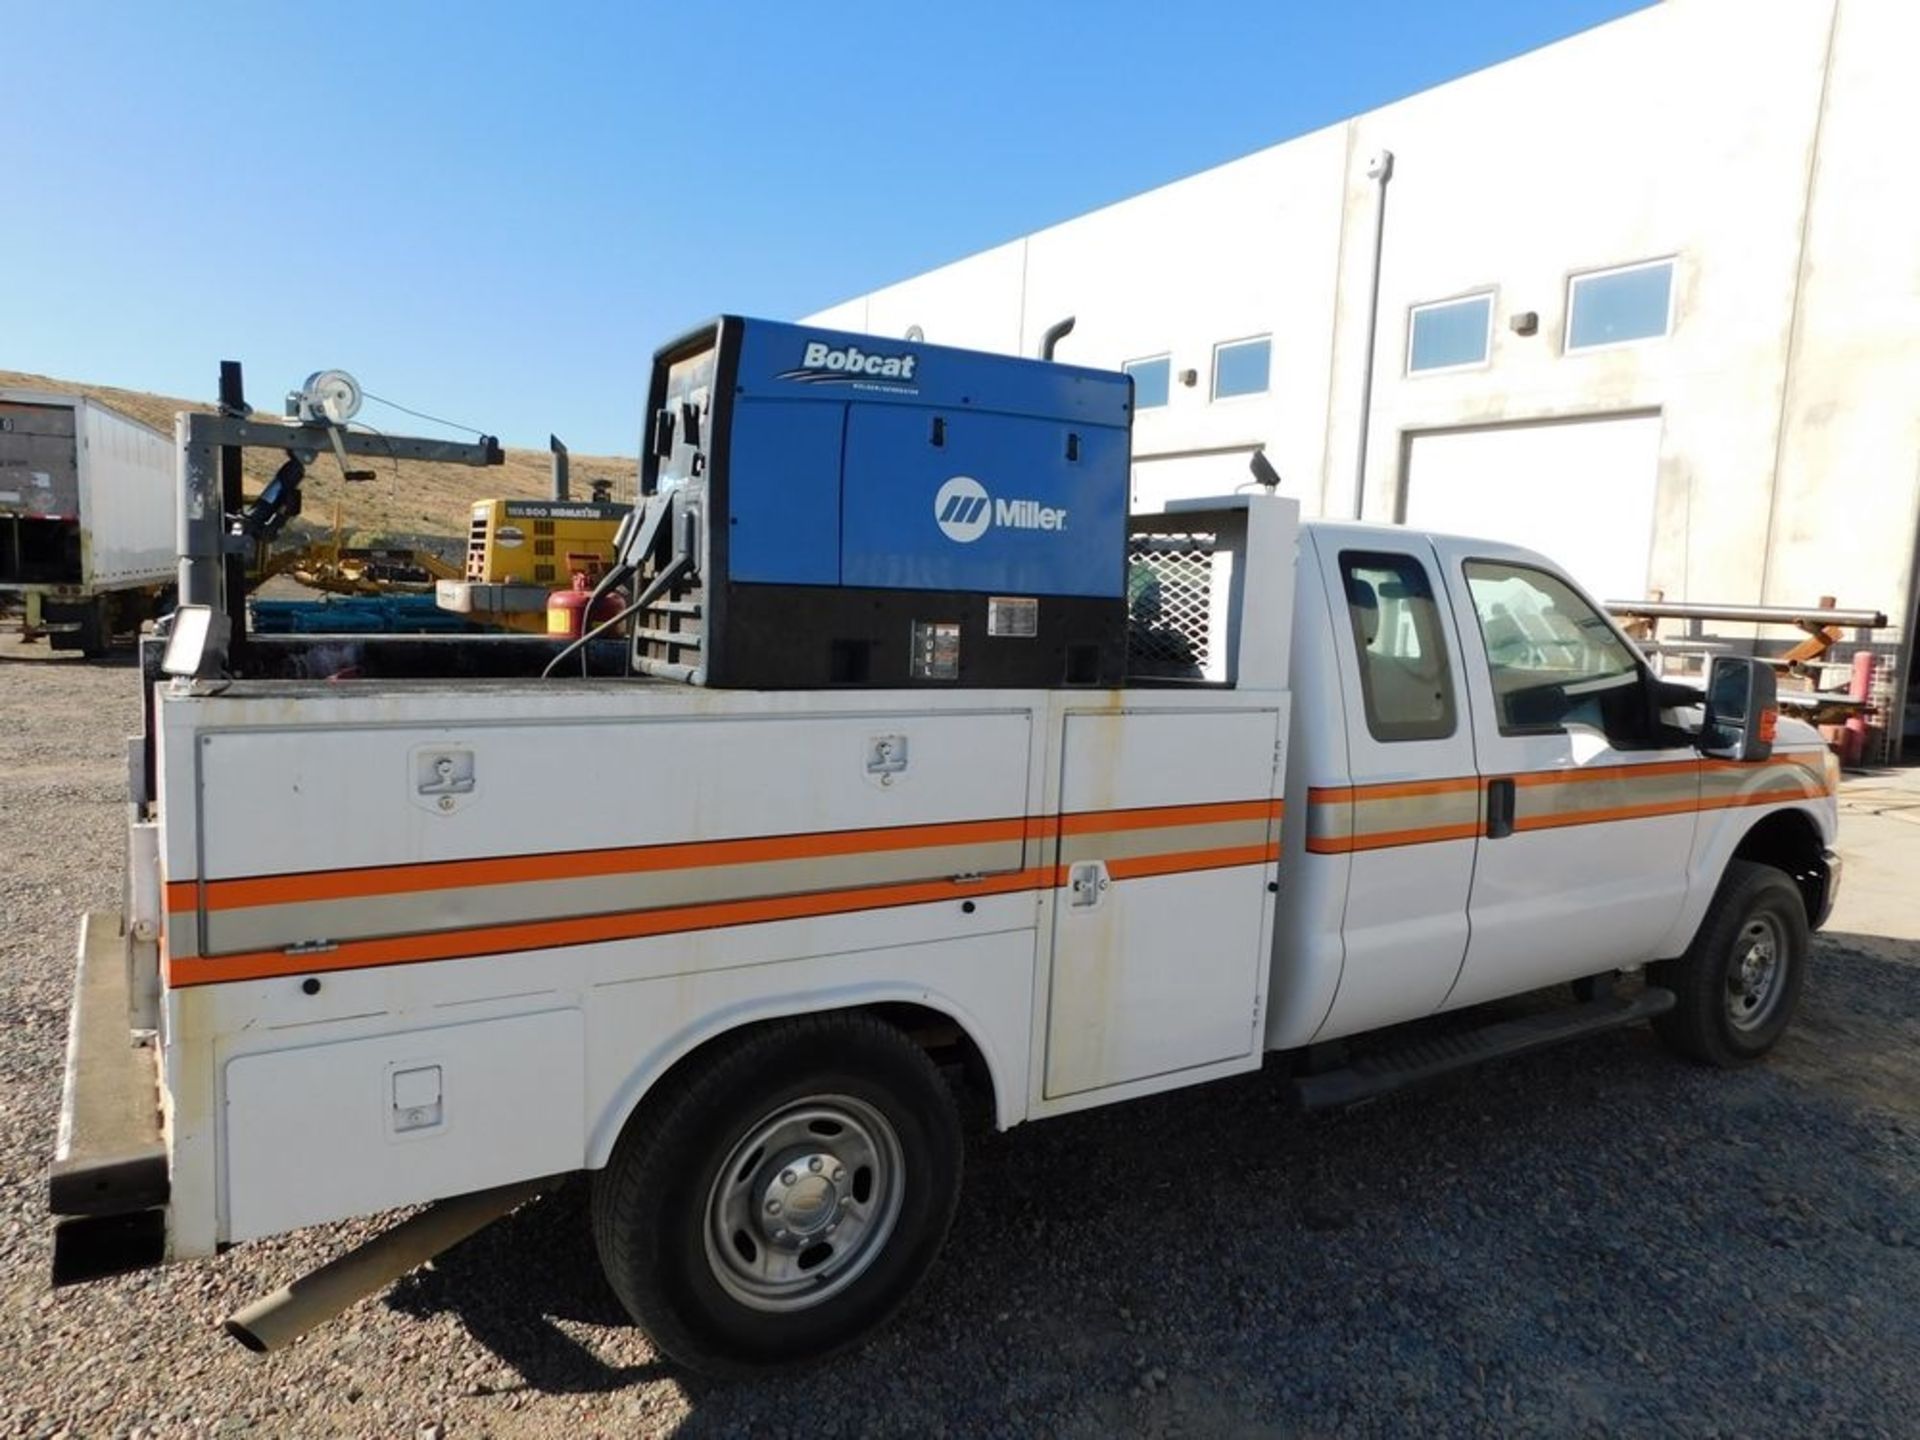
(87, 517)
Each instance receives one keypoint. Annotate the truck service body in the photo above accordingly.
(1386, 775)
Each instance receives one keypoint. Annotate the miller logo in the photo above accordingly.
(964, 511)
(823, 364)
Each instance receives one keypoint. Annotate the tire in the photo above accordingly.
(91, 638)
(1738, 985)
(843, 1147)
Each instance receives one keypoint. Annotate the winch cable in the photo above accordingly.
(418, 414)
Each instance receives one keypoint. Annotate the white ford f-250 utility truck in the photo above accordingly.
(921, 768)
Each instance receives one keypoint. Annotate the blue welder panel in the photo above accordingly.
(998, 506)
(783, 473)
(798, 362)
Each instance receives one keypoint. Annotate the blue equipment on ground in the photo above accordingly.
(356, 615)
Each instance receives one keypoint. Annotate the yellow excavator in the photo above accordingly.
(520, 551)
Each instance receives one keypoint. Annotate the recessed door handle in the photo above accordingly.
(1500, 808)
(1086, 883)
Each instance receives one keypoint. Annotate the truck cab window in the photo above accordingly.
(1555, 661)
(1405, 680)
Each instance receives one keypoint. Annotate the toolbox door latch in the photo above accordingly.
(418, 1103)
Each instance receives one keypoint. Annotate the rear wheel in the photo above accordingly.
(90, 636)
(783, 1197)
(1738, 985)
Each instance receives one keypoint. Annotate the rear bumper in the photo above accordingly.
(108, 1186)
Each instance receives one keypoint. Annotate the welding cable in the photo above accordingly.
(614, 578)
(653, 592)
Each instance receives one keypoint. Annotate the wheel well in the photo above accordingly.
(1788, 841)
(950, 1047)
(945, 1040)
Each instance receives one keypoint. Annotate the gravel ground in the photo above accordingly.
(1599, 1240)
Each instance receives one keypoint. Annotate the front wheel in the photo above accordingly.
(1738, 985)
(783, 1197)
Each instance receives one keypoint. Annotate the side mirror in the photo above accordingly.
(1743, 709)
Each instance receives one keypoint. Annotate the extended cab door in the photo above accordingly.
(1588, 801)
(1406, 819)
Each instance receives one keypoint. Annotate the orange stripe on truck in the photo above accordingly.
(1348, 810)
(588, 864)
(1388, 839)
(1392, 790)
(1181, 863)
(591, 929)
(1088, 822)
(265, 893)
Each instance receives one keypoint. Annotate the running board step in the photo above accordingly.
(1428, 1059)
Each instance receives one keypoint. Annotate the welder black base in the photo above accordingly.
(803, 637)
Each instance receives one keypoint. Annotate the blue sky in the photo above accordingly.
(496, 212)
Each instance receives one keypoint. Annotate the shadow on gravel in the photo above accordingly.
(124, 658)
(1600, 1239)
(513, 1280)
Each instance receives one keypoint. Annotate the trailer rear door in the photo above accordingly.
(39, 495)
(39, 468)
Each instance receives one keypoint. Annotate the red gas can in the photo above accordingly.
(565, 607)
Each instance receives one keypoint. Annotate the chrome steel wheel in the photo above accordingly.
(1757, 976)
(804, 1202)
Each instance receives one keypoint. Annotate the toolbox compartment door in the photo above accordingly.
(348, 840)
(1163, 919)
(326, 1131)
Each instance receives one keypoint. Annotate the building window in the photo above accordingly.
(1240, 367)
(1613, 307)
(1450, 334)
(1405, 681)
(1150, 381)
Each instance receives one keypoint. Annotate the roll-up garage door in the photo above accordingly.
(1578, 491)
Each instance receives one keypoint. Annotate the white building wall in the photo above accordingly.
(1760, 146)
(1649, 137)
(1239, 251)
(1846, 510)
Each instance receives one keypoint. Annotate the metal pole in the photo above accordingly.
(199, 535)
(560, 491)
(233, 403)
(1379, 170)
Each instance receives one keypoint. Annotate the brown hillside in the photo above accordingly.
(409, 503)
